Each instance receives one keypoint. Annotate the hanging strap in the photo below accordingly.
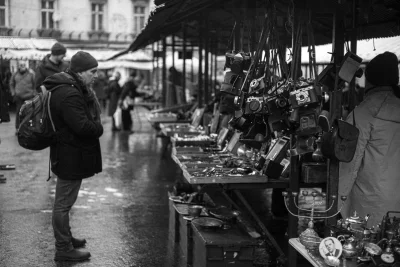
(45, 91)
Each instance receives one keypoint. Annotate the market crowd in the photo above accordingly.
(25, 82)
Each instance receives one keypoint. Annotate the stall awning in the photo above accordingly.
(376, 19)
(18, 43)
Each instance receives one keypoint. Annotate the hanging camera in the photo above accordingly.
(304, 96)
(239, 101)
(255, 105)
(257, 84)
(232, 83)
(237, 62)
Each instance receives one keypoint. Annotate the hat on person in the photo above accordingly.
(58, 49)
(383, 70)
(82, 61)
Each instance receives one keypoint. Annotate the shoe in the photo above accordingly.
(72, 255)
(115, 130)
(78, 243)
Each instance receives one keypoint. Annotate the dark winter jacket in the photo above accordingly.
(129, 89)
(113, 93)
(47, 68)
(76, 155)
(99, 87)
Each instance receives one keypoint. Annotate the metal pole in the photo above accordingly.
(164, 71)
(335, 108)
(200, 72)
(206, 65)
(158, 66)
(352, 86)
(184, 65)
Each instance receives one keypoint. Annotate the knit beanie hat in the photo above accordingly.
(383, 70)
(82, 61)
(58, 49)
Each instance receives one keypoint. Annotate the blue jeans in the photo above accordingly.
(66, 195)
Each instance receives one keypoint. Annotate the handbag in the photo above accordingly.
(340, 142)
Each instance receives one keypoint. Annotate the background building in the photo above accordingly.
(101, 27)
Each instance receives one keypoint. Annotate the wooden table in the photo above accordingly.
(315, 259)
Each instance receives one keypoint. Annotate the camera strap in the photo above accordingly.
(311, 51)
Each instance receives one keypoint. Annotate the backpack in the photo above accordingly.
(36, 130)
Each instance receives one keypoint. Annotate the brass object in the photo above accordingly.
(309, 238)
(350, 246)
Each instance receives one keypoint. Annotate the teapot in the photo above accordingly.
(350, 246)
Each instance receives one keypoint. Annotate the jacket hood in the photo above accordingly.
(385, 104)
(58, 79)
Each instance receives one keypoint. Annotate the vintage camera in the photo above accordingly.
(237, 62)
(255, 105)
(273, 167)
(305, 96)
(232, 83)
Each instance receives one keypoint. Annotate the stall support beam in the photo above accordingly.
(164, 71)
(292, 220)
(271, 239)
(206, 63)
(336, 110)
(184, 64)
(200, 72)
(353, 48)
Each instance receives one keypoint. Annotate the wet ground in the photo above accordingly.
(122, 212)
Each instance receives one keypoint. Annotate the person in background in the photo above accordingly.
(99, 87)
(371, 180)
(51, 64)
(77, 153)
(113, 92)
(22, 87)
(127, 99)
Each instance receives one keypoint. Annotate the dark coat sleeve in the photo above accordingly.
(74, 115)
(39, 78)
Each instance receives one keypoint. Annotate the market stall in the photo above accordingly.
(281, 121)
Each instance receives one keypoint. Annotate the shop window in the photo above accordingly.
(97, 17)
(139, 18)
(47, 14)
(3, 12)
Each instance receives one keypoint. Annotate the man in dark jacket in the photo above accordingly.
(76, 155)
(51, 64)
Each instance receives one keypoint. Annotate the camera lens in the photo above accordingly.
(281, 102)
(255, 106)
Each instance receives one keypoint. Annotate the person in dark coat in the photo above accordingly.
(99, 87)
(76, 155)
(126, 101)
(113, 93)
(51, 64)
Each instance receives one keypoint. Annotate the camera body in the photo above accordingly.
(304, 96)
(255, 105)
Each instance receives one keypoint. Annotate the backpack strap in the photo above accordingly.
(45, 91)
